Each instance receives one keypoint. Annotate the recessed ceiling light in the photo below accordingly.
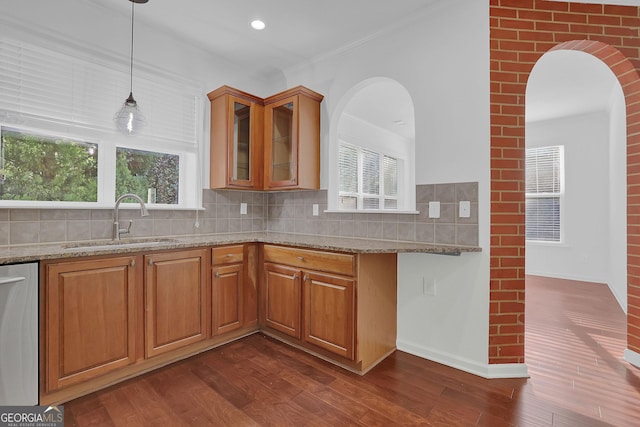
(257, 24)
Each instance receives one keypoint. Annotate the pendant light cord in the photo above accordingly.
(131, 59)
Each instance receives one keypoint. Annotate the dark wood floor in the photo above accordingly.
(575, 340)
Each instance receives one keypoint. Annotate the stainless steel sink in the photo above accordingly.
(94, 246)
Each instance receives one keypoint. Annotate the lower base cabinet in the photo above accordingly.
(329, 313)
(175, 300)
(106, 319)
(282, 290)
(90, 328)
(234, 288)
(339, 306)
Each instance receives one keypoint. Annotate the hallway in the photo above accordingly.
(575, 340)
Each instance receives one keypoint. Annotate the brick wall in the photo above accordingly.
(521, 32)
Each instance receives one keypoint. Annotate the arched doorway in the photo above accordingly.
(507, 249)
(575, 106)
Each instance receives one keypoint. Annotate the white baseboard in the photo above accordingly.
(632, 357)
(485, 370)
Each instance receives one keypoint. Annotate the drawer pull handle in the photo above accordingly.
(229, 255)
(301, 258)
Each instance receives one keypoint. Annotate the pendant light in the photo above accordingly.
(129, 120)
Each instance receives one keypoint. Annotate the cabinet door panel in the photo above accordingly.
(90, 328)
(282, 294)
(175, 293)
(236, 139)
(329, 308)
(227, 297)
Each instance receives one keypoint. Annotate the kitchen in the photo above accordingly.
(447, 74)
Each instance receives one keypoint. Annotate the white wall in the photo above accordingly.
(618, 197)
(590, 167)
(443, 61)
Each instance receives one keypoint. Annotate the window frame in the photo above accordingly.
(360, 195)
(559, 195)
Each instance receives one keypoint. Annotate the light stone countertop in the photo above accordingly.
(28, 253)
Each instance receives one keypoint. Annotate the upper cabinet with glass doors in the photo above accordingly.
(236, 139)
(268, 144)
(292, 139)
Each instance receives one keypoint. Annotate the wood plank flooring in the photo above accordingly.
(575, 340)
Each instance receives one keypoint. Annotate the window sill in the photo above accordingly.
(546, 243)
(372, 211)
(80, 205)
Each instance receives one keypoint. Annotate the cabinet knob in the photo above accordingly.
(305, 278)
(133, 263)
(229, 255)
(150, 262)
(295, 277)
(217, 274)
(301, 258)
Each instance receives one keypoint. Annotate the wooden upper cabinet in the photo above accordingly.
(236, 139)
(292, 140)
(269, 144)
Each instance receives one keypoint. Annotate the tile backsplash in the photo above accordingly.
(287, 211)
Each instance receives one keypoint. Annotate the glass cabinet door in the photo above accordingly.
(240, 158)
(282, 143)
(236, 139)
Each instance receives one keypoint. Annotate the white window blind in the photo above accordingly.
(544, 190)
(368, 179)
(46, 84)
(54, 93)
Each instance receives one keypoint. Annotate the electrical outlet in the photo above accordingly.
(243, 208)
(465, 209)
(429, 286)
(316, 210)
(434, 209)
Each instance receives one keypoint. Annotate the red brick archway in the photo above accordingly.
(521, 32)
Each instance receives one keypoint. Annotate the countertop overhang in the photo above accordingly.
(29, 253)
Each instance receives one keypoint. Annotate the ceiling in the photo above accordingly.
(297, 31)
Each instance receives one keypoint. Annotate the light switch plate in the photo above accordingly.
(465, 209)
(316, 210)
(434, 209)
(243, 208)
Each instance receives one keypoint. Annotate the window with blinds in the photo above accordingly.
(55, 95)
(544, 191)
(368, 179)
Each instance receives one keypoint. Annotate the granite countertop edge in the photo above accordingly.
(29, 253)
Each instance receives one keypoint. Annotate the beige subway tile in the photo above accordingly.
(23, 232)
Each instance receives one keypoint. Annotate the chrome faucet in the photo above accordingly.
(117, 231)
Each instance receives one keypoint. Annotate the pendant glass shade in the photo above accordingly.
(129, 120)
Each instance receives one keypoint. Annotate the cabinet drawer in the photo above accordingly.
(227, 254)
(330, 262)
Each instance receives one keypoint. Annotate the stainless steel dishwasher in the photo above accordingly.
(19, 334)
